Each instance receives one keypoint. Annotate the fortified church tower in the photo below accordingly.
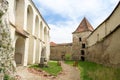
(79, 39)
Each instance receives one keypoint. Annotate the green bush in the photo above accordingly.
(6, 77)
(0, 70)
(67, 57)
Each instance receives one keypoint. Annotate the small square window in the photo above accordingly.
(80, 39)
(82, 52)
(83, 45)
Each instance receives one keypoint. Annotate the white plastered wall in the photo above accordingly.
(34, 38)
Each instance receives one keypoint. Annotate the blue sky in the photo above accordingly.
(64, 16)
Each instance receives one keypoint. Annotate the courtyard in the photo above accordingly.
(82, 71)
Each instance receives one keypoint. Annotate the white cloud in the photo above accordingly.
(62, 33)
(95, 10)
(70, 8)
(75, 8)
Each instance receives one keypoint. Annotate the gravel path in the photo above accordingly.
(68, 73)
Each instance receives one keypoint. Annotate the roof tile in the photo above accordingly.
(84, 26)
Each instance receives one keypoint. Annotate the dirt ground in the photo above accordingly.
(23, 73)
(68, 73)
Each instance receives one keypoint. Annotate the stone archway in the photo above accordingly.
(37, 26)
(30, 30)
(45, 34)
(43, 52)
(41, 30)
(29, 19)
(19, 51)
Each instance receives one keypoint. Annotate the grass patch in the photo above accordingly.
(8, 77)
(53, 68)
(93, 71)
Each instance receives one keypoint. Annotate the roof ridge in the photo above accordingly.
(85, 21)
(88, 24)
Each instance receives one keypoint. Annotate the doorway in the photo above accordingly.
(19, 51)
(82, 58)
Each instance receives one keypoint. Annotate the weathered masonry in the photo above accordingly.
(76, 49)
(79, 40)
(29, 32)
(104, 42)
(101, 45)
(59, 51)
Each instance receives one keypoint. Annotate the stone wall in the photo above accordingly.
(77, 44)
(6, 50)
(105, 27)
(103, 43)
(106, 51)
(60, 51)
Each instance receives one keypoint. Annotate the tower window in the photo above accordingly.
(82, 58)
(83, 45)
(82, 52)
(80, 39)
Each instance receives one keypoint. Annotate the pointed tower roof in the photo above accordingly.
(84, 26)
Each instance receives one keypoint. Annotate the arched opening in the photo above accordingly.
(37, 26)
(48, 35)
(80, 39)
(43, 57)
(37, 56)
(41, 31)
(19, 50)
(31, 50)
(19, 13)
(43, 52)
(45, 34)
(29, 19)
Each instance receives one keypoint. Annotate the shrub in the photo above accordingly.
(6, 77)
(67, 57)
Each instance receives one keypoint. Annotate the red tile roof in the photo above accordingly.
(84, 26)
(52, 44)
